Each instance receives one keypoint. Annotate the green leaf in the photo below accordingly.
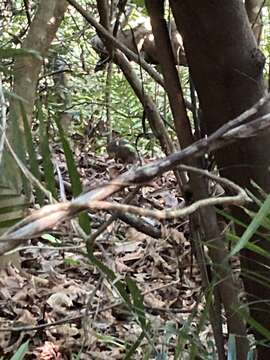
(118, 284)
(257, 326)
(254, 198)
(147, 355)
(259, 189)
(76, 185)
(52, 239)
(10, 172)
(132, 349)
(265, 223)
(21, 351)
(137, 300)
(12, 207)
(184, 335)
(46, 154)
(253, 226)
(138, 3)
(109, 340)
(170, 331)
(33, 162)
(251, 246)
(71, 262)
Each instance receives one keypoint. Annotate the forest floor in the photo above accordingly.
(67, 309)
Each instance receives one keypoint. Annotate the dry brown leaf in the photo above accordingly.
(134, 235)
(25, 318)
(128, 246)
(120, 267)
(153, 301)
(59, 302)
(131, 257)
(67, 330)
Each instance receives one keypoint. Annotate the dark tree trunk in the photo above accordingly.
(226, 67)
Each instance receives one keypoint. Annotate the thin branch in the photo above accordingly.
(238, 199)
(50, 215)
(130, 54)
(69, 319)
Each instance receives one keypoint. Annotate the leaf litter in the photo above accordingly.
(56, 285)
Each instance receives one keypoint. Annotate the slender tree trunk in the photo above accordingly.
(42, 31)
(226, 67)
(26, 72)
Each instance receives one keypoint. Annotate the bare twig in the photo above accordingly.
(70, 319)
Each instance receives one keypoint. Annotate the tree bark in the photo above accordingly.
(226, 67)
(225, 290)
(26, 71)
(48, 17)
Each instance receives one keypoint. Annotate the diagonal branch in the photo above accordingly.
(51, 215)
(130, 54)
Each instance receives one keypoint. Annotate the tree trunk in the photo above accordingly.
(226, 67)
(26, 72)
(42, 31)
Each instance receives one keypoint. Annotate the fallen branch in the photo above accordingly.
(239, 199)
(51, 215)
